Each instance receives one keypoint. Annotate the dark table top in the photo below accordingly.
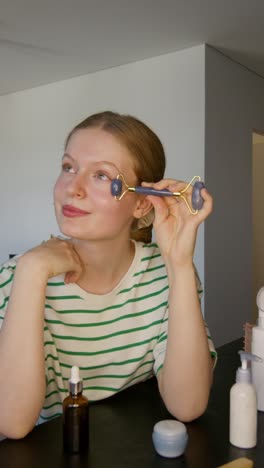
(121, 430)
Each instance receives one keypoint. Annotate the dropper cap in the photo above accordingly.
(260, 304)
(243, 374)
(75, 382)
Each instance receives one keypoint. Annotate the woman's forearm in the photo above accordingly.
(22, 371)
(186, 376)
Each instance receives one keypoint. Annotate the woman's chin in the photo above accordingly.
(69, 231)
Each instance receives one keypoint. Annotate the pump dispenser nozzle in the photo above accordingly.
(244, 372)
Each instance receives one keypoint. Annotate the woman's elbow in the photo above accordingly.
(187, 406)
(188, 413)
(16, 430)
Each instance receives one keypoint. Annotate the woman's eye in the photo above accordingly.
(102, 176)
(67, 168)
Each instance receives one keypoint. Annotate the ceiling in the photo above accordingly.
(52, 40)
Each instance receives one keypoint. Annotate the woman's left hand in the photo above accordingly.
(175, 227)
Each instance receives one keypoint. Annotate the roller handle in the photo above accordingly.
(152, 191)
(116, 190)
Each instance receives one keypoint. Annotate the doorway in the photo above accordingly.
(257, 216)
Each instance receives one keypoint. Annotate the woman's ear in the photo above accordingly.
(143, 207)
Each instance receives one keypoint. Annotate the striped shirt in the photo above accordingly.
(116, 339)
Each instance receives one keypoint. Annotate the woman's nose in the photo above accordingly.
(77, 186)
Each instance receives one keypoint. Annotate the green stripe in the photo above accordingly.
(94, 353)
(163, 338)
(48, 418)
(64, 390)
(114, 376)
(158, 369)
(105, 351)
(144, 259)
(107, 322)
(55, 358)
(109, 364)
(119, 376)
(163, 333)
(8, 281)
(60, 283)
(117, 306)
(49, 343)
(50, 381)
(51, 406)
(149, 270)
(105, 337)
(110, 389)
(54, 298)
(6, 299)
(58, 374)
(7, 268)
(137, 377)
(152, 244)
(115, 389)
(159, 278)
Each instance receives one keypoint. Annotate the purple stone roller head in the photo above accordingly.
(116, 187)
(197, 200)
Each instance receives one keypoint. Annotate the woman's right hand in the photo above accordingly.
(54, 257)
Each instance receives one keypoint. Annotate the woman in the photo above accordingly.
(105, 298)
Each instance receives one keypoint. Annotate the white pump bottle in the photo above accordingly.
(243, 406)
(257, 347)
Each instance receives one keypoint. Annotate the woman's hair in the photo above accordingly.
(145, 148)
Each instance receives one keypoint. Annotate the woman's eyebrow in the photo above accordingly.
(96, 163)
(66, 155)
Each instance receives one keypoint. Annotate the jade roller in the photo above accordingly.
(119, 188)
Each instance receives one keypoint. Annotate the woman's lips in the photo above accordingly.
(72, 212)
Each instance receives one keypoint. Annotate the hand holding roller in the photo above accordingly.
(118, 191)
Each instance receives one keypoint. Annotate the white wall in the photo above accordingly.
(234, 107)
(167, 92)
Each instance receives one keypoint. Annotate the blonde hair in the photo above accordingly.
(145, 148)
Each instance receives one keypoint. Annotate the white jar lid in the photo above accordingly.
(170, 428)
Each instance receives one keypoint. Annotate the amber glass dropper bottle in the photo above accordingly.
(75, 416)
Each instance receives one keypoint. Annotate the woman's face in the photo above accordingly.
(84, 206)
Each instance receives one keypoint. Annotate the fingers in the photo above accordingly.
(62, 258)
(177, 186)
(72, 276)
(170, 184)
(207, 207)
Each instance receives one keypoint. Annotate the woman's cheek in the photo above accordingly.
(58, 188)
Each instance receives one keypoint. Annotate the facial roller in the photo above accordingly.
(118, 192)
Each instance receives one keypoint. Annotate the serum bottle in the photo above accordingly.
(75, 416)
(243, 406)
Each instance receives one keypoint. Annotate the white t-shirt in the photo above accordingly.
(116, 339)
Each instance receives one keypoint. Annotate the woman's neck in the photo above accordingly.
(105, 264)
